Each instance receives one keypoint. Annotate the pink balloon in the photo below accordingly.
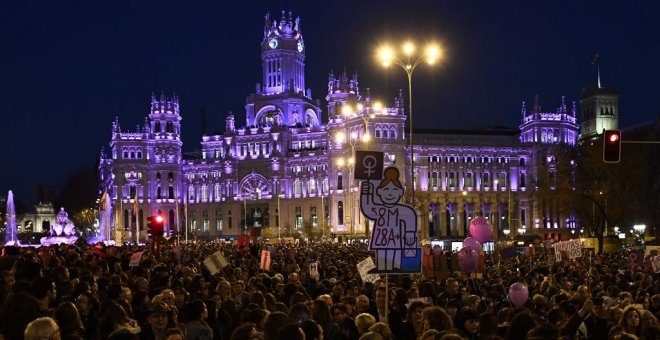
(518, 294)
(473, 244)
(468, 259)
(481, 229)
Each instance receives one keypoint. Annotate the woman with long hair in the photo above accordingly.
(413, 327)
(631, 321)
(68, 318)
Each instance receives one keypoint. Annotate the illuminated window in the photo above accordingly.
(299, 218)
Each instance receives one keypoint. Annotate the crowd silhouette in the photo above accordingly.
(94, 292)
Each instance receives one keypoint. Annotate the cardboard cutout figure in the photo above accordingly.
(394, 235)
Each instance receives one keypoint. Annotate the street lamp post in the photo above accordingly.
(409, 63)
(343, 163)
(639, 230)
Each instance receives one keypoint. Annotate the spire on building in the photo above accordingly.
(573, 109)
(562, 107)
(115, 126)
(230, 123)
(523, 110)
(537, 106)
(596, 61)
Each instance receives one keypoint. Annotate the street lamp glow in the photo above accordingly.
(360, 107)
(353, 135)
(340, 137)
(378, 106)
(340, 162)
(639, 228)
(521, 230)
(432, 54)
(366, 137)
(385, 54)
(350, 161)
(346, 110)
(506, 232)
(408, 48)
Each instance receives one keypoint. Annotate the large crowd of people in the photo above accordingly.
(94, 292)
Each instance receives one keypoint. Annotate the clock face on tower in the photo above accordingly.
(301, 46)
(272, 43)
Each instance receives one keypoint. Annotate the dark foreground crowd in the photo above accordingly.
(91, 292)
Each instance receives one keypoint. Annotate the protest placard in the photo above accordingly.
(363, 268)
(571, 248)
(135, 259)
(215, 262)
(265, 260)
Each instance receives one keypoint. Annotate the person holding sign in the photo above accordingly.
(395, 225)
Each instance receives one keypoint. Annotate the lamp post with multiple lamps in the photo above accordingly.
(347, 163)
(409, 61)
(365, 114)
(638, 230)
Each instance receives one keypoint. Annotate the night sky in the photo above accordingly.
(67, 68)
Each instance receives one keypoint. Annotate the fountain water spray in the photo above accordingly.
(11, 234)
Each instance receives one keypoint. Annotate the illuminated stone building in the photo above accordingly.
(287, 170)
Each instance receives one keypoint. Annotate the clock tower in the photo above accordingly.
(283, 56)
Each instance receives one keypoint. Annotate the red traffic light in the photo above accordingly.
(159, 219)
(612, 146)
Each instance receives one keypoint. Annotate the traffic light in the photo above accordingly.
(612, 146)
(155, 226)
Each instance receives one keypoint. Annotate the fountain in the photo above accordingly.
(105, 217)
(62, 231)
(11, 234)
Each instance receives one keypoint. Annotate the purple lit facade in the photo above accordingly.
(280, 174)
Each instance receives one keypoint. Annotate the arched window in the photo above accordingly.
(139, 154)
(158, 176)
(297, 187)
(125, 154)
(340, 182)
(385, 134)
(340, 213)
(469, 182)
(170, 192)
(377, 133)
(311, 186)
(205, 193)
(392, 133)
(191, 193)
(159, 193)
(326, 185)
(217, 193)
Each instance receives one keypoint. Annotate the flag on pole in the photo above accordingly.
(596, 59)
(104, 199)
(135, 203)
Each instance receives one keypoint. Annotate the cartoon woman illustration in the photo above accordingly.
(395, 225)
